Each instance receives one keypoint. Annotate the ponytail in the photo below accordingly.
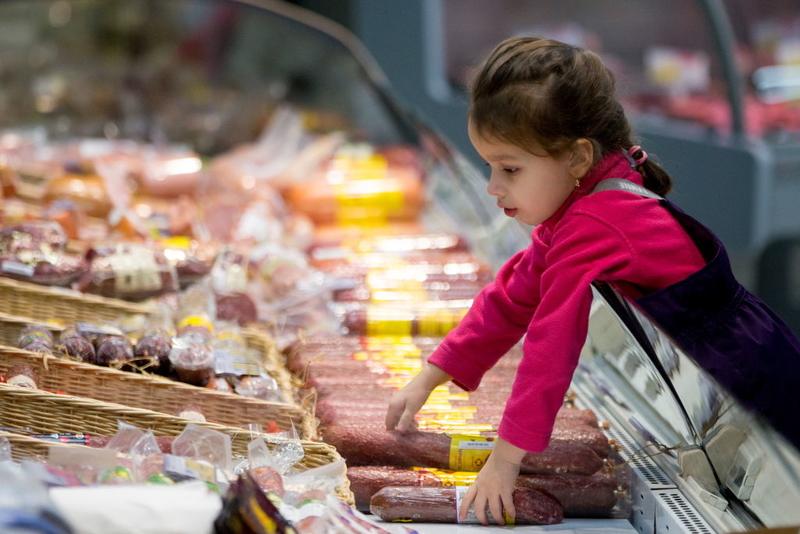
(656, 179)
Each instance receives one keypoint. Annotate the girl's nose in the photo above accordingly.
(492, 187)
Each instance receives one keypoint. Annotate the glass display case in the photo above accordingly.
(214, 75)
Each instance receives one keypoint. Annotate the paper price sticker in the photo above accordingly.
(135, 272)
(469, 453)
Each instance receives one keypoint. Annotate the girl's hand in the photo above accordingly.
(406, 402)
(494, 485)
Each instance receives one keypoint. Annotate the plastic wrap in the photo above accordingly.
(43, 268)
(579, 495)
(128, 271)
(440, 505)
(372, 444)
(34, 235)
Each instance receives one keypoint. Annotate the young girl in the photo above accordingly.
(545, 119)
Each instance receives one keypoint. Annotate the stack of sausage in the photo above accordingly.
(411, 475)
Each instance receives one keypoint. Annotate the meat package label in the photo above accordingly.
(471, 519)
(469, 453)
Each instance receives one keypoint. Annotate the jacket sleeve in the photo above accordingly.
(497, 319)
(584, 249)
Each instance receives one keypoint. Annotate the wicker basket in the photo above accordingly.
(26, 447)
(44, 412)
(154, 392)
(68, 306)
(59, 306)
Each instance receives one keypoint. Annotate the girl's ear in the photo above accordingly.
(581, 158)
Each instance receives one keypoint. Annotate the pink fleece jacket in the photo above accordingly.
(544, 294)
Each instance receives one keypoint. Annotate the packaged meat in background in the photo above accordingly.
(56, 268)
(192, 259)
(128, 271)
(39, 235)
(22, 375)
(237, 307)
(284, 154)
(230, 273)
(169, 172)
(359, 188)
(193, 361)
(88, 192)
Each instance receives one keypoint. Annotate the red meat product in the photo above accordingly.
(366, 481)
(33, 333)
(593, 437)
(268, 479)
(46, 236)
(114, 351)
(22, 375)
(578, 495)
(48, 269)
(99, 442)
(194, 362)
(374, 445)
(153, 348)
(128, 271)
(438, 505)
(80, 348)
(238, 307)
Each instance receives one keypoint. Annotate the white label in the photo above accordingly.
(134, 273)
(485, 445)
(470, 519)
(20, 269)
(22, 381)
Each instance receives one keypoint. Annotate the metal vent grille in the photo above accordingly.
(682, 512)
(651, 473)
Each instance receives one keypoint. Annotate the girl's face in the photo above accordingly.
(528, 187)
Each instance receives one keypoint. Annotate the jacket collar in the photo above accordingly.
(615, 165)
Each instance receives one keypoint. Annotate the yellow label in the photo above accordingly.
(469, 453)
(388, 322)
(196, 320)
(450, 478)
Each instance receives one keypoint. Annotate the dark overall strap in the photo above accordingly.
(623, 308)
(618, 184)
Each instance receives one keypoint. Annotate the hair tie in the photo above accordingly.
(641, 159)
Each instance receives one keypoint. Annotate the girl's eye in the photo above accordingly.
(510, 170)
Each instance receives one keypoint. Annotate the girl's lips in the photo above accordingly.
(510, 212)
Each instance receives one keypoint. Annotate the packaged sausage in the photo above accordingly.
(79, 348)
(193, 361)
(114, 351)
(128, 271)
(22, 375)
(34, 334)
(34, 235)
(153, 349)
(56, 268)
(441, 504)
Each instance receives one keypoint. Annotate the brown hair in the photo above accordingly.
(551, 93)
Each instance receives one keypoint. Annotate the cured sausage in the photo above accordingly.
(374, 445)
(578, 495)
(438, 505)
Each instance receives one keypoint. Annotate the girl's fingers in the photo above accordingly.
(406, 421)
(479, 507)
(466, 502)
(508, 508)
(496, 509)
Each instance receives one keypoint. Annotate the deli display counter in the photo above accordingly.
(250, 154)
